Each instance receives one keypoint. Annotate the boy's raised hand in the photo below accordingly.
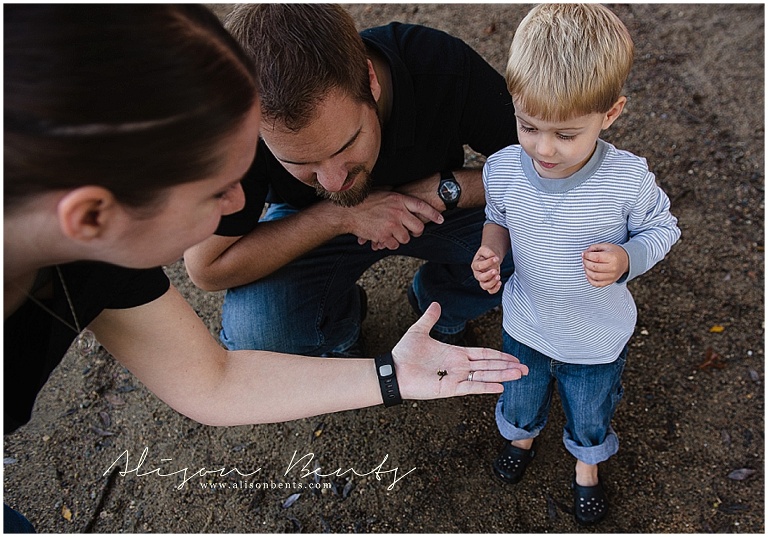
(486, 267)
(605, 263)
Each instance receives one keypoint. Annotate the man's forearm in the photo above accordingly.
(472, 191)
(270, 246)
(470, 180)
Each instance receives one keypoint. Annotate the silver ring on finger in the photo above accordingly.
(471, 375)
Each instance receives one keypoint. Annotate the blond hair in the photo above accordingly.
(568, 60)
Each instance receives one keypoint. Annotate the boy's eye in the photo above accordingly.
(566, 137)
(526, 129)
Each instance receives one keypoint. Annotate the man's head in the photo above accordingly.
(318, 93)
(569, 60)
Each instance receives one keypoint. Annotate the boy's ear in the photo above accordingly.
(615, 111)
(85, 213)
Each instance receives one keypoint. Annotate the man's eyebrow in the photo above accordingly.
(341, 150)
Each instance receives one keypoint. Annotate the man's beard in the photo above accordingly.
(353, 196)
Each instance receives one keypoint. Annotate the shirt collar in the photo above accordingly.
(400, 129)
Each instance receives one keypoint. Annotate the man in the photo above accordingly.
(361, 157)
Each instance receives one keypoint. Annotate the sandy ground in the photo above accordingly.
(691, 423)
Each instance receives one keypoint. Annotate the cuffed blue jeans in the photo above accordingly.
(311, 306)
(589, 395)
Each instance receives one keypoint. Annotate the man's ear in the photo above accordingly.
(614, 113)
(373, 80)
(85, 213)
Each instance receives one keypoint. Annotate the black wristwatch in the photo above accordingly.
(385, 370)
(449, 189)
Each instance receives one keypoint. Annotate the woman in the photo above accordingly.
(127, 130)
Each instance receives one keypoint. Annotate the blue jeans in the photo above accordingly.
(311, 305)
(15, 522)
(589, 395)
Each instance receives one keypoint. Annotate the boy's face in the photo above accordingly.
(561, 148)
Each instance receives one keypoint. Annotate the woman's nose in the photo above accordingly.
(233, 201)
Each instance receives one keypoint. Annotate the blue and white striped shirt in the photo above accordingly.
(548, 303)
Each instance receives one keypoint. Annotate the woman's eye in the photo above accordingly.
(223, 194)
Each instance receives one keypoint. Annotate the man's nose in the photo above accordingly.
(332, 176)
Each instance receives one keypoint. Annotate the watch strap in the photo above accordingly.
(385, 371)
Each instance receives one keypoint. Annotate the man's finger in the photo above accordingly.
(423, 210)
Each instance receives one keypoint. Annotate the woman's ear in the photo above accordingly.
(614, 113)
(85, 213)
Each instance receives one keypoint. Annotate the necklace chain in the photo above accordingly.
(52, 313)
(69, 300)
(85, 342)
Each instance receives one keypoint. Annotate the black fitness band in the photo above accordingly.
(385, 370)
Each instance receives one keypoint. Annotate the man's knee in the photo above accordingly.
(254, 322)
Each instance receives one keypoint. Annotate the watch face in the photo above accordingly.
(449, 190)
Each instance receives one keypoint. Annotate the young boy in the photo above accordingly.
(582, 219)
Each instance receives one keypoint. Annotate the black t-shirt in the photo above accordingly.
(445, 96)
(35, 342)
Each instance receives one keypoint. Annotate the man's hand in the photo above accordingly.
(605, 263)
(389, 219)
(418, 358)
(486, 267)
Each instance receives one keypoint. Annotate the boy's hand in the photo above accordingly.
(486, 267)
(605, 263)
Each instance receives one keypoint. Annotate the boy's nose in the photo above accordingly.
(545, 147)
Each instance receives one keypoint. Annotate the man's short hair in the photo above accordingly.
(301, 52)
(569, 60)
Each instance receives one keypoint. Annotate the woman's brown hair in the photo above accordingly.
(134, 98)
